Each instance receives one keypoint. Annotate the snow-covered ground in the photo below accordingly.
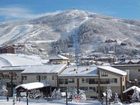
(3, 101)
(45, 102)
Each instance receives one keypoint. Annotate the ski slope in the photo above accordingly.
(15, 33)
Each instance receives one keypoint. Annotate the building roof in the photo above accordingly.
(19, 60)
(126, 65)
(58, 57)
(34, 85)
(132, 88)
(112, 69)
(51, 68)
(11, 68)
(73, 70)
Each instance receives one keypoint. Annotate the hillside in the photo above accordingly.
(53, 33)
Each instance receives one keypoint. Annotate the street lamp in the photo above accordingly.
(27, 97)
(66, 96)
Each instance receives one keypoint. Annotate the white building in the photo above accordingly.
(93, 79)
(16, 69)
(48, 73)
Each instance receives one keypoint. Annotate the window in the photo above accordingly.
(113, 80)
(6, 76)
(52, 77)
(104, 81)
(38, 77)
(66, 81)
(44, 77)
(71, 80)
(92, 88)
(91, 81)
(104, 74)
(24, 77)
(63, 81)
(84, 88)
(84, 80)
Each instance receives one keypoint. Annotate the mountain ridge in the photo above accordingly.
(53, 33)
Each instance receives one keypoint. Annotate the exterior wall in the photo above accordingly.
(120, 84)
(10, 80)
(91, 90)
(134, 70)
(49, 78)
(107, 75)
(5, 77)
(107, 79)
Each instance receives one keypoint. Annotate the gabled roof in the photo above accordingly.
(34, 85)
(73, 70)
(132, 88)
(51, 68)
(113, 70)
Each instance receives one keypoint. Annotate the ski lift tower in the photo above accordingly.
(76, 45)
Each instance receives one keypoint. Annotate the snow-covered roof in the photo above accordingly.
(51, 68)
(11, 68)
(19, 60)
(58, 57)
(112, 69)
(73, 70)
(132, 88)
(34, 85)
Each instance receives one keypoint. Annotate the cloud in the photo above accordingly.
(18, 13)
(15, 13)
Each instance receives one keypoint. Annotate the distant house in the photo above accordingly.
(58, 59)
(7, 49)
(87, 61)
(110, 41)
(127, 61)
(107, 59)
(133, 69)
(129, 92)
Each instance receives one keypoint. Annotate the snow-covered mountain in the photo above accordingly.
(53, 33)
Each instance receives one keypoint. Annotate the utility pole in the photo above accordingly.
(66, 96)
(39, 78)
(77, 85)
(106, 98)
(11, 82)
(99, 87)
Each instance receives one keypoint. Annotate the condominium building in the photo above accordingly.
(93, 79)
